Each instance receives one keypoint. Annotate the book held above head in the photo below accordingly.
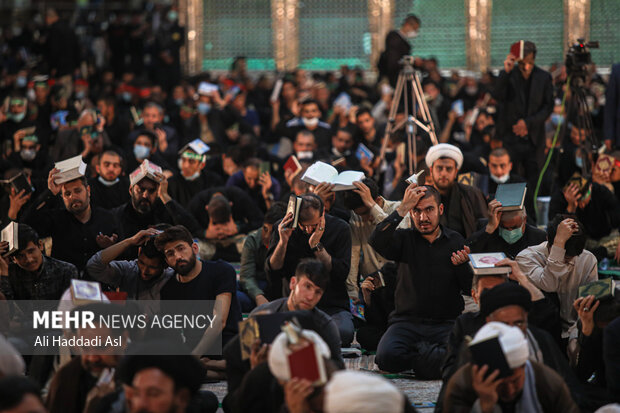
(484, 263)
(511, 196)
(146, 170)
(321, 172)
(196, 149)
(70, 169)
(10, 234)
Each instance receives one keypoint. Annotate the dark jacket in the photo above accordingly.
(481, 241)
(611, 128)
(395, 48)
(467, 205)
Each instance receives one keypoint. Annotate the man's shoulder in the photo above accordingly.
(58, 266)
(335, 222)
(451, 235)
(470, 191)
(271, 306)
(218, 268)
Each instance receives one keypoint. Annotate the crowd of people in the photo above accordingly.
(382, 267)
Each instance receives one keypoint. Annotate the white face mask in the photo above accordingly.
(107, 183)
(500, 179)
(310, 122)
(193, 177)
(412, 34)
(304, 155)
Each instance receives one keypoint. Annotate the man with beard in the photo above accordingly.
(200, 280)
(78, 230)
(431, 276)
(463, 204)
(109, 188)
(149, 205)
(142, 278)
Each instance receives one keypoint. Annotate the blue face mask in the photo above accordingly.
(141, 152)
(579, 162)
(511, 236)
(203, 108)
(178, 102)
(557, 119)
(21, 82)
(80, 95)
(126, 96)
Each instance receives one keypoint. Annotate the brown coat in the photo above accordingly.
(552, 392)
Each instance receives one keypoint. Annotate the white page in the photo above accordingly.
(320, 172)
(348, 177)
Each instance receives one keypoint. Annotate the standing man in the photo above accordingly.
(396, 46)
(430, 279)
(525, 98)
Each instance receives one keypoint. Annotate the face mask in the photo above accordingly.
(107, 183)
(178, 102)
(193, 177)
(172, 15)
(557, 119)
(310, 122)
(17, 117)
(471, 90)
(28, 154)
(80, 95)
(203, 108)
(412, 34)
(579, 162)
(511, 236)
(141, 152)
(21, 82)
(305, 155)
(500, 179)
(126, 96)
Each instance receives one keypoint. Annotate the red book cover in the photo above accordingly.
(517, 50)
(293, 165)
(306, 363)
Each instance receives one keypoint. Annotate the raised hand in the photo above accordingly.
(495, 215)
(460, 257)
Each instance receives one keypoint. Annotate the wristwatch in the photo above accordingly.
(317, 248)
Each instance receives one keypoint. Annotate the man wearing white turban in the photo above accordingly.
(463, 204)
(531, 388)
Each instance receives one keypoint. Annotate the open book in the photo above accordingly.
(322, 172)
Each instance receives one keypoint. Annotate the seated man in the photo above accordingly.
(560, 265)
(142, 278)
(597, 209)
(29, 154)
(222, 237)
(309, 119)
(145, 147)
(318, 235)
(195, 279)
(342, 147)
(30, 275)
(167, 138)
(424, 311)
(262, 188)
(463, 204)
(110, 188)
(506, 232)
(252, 278)
(304, 146)
(531, 387)
(78, 229)
(193, 177)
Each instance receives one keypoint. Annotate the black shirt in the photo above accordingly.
(428, 285)
(109, 197)
(183, 190)
(337, 242)
(216, 277)
(482, 241)
(72, 240)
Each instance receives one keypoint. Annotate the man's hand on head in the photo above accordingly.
(413, 194)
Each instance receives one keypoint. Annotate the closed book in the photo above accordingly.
(484, 263)
(294, 204)
(292, 165)
(322, 172)
(415, 178)
(601, 289)
(489, 352)
(364, 152)
(20, 183)
(70, 169)
(307, 363)
(517, 49)
(10, 234)
(511, 196)
(146, 170)
(84, 292)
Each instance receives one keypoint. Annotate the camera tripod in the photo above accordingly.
(408, 80)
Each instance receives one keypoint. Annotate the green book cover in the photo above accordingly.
(601, 289)
(511, 195)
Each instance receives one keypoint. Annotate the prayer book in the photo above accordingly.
(292, 164)
(70, 169)
(20, 183)
(10, 235)
(489, 351)
(516, 49)
(484, 263)
(307, 363)
(364, 152)
(264, 327)
(601, 289)
(294, 204)
(415, 178)
(322, 172)
(275, 94)
(511, 196)
(145, 170)
(85, 292)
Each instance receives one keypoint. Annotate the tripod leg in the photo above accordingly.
(392, 115)
(426, 114)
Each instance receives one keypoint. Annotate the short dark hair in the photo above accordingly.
(148, 134)
(363, 111)
(13, 389)
(174, 233)
(412, 18)
(307, 133)
(252, 163)
(149, 250)
(310, 102)
(81, 179)
(310, 201)
(219, 209)
(353, 201)
(25, 235)
(477, 277)
(432, 192)
(275, 213)
(576, 243)
(529, 47)
(110, 152)
(499, 152)
(314, 270)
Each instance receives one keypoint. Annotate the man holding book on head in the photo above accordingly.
(431, 277)
(78, 230)
(311, 233)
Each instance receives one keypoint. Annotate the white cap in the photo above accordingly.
(511, 339)
(278, 355)
(358, 392)
(444, 150)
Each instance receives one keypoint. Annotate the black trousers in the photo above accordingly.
(421, 347)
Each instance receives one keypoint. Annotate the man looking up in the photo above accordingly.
(463, 204)
(425, 310)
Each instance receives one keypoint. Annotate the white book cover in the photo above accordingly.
(321, 172)
(70, 169)
(145, 170)
(9, 234)
(486, 259)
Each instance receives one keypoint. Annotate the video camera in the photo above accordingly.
(578, 57)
